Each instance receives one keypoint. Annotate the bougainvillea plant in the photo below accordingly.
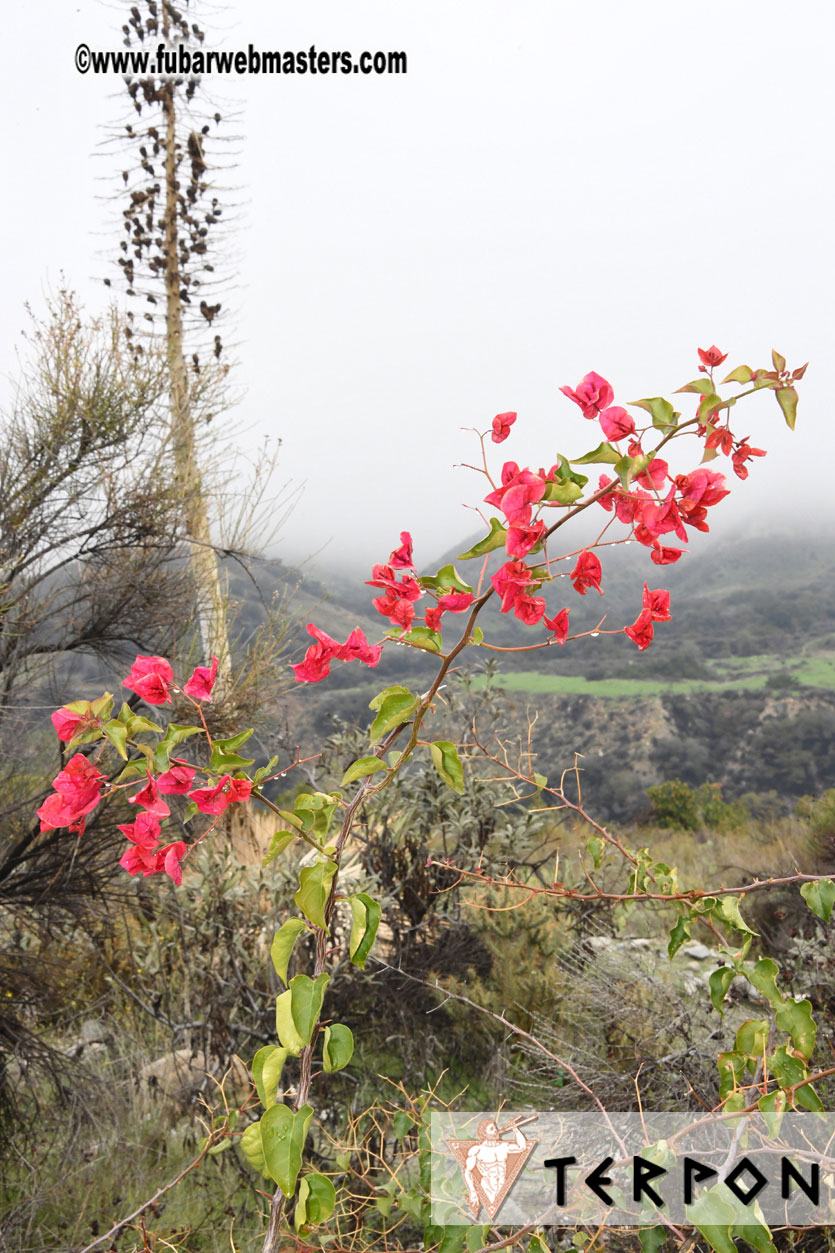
(640, 496)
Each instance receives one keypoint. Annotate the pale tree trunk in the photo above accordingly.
(212, 609)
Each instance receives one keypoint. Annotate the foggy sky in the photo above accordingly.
(552, 188)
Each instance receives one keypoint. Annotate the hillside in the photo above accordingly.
(739, 688)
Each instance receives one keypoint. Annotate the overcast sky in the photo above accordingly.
(552, 188)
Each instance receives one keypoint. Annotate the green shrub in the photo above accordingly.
(678, 805)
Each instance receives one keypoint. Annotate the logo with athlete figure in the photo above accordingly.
(491, 1164)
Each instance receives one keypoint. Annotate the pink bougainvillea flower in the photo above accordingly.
(712, 356)
(401, 558)
(665, 556)
(501, 426)
(607, 501)
(77, 792)
(720, 437)
(520, 490)
(385, 578)
(660, 518)
(54, 813)
(559, 625)
(318, 658)
(616, 423)
(176, 781)
(655, 475)
(399, 611)
(150, 799)
(139, 860)
(455, 602)
(521, 539)
(529, 609)
(641, 631)
(145, 832)
(68, 723)
(587, 573)
(316, 665)
(150, 678)
(509, 581)
(357, 648)
(657, 601)
(592, 395)
(432, 618)
(215, 799)
(171, 856)
(200, 685)
(744, 452)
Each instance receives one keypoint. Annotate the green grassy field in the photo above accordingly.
(741, 674)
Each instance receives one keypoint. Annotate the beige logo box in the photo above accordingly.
(630, 1170)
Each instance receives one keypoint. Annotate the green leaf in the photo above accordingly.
(787, 400)
(448, 764)
(563, 493)
(731, 1067)
(627, 467)
(773, 1106)
(719, 983)
(789, 1070)
(285, 1026)
(652, 1238)
(366, 914)
(679, 933)
(495, 539)
(763, 975)
(307, 996)
(476, 1237)
(752, 1038)
(262, 771)
(283, 1133)
(175, 733)
(820, 897)
(117, 733)
(234, 742)
(708, 405)
(755, 1234)
(594, 849)
(361, 768)
(795, 1017)
(315, 810)
(267, 1065)
(338, 1047)
(133, 770)
(253, 1148)
(778, 360)
(564, 471)
(284, 942)
(424, 637)
(101, 707)
(396, 708)
(698, 385)
(401, 1124)
(278, 844)
(727, 910)
(136, 723)
(224, 758)
(537, 1245)
(603, 454)
(315, 1203)
(742, 374)
(713, 1217)
(660, 410)
(314, 890)
(447, 580)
